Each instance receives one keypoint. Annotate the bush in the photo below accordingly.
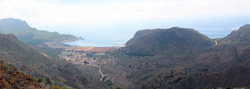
(47, 81)
(58, 87)
(228, 87)
(55, 87)
(118, 88)
(108, 83)
(39, 80)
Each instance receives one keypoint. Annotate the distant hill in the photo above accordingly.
(167, 41)
(181, 58)
(32, 62)
(238, 37)
(11, 78)
(30, 35)
(232, 49)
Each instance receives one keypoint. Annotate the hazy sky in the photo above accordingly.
(118, 20)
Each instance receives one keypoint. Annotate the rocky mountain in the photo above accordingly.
(11, 78)
(167, 41)
(182, 58)
(238, 37)
(32, 62)
(232, 49)
(30, 35)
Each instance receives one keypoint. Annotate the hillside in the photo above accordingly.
(167, 41)
(237, 37)
(219, 60)
(179, 58)
(236, 75)
(30, 35)
(31, 62)
(11, 78)
(232, 49)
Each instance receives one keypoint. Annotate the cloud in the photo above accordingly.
(56, 12)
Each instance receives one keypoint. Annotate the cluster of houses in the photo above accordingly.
(81, 58)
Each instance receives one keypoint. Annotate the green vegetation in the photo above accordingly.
(108, 83)
(30, 35)
(58, 87)
(228, 87)
(129, 76)
(48, 81)
(118, 88)
(204, 70)
(39, 80)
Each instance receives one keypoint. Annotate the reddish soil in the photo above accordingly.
(96, 49)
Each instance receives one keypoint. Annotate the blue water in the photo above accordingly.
(216, 32)
(90, 44)
(211, 32)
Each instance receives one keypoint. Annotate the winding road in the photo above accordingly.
(216, 42)
(102, 75)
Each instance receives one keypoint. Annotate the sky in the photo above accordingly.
(116, 21)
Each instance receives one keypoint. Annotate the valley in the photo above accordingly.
(182, 62)
(171, 58)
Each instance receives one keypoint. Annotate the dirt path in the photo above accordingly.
(100, 71)
(117, 71)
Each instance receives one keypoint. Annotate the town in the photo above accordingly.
(79, 57)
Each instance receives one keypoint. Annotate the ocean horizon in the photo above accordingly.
(213, 33)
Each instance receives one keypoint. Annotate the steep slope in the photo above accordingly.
(236, 75)
(167, 41)
(200, 64)
(238, 37)
(31, 62)
(11, 78)
(30, 35)
(219, 60)
(232, 49)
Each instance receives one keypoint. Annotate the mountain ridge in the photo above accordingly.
(32, 62)
(30, 35)
(160, 41)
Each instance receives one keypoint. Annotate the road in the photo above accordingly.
(100, 71)
(216, 42)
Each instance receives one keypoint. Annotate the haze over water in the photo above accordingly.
(116, 21)
(213, 33)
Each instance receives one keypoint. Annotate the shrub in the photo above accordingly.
(55, 87)
(118, 88)
(228, 87)
(47, 81)
(39, 80)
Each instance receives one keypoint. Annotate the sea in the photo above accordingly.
(211, 32)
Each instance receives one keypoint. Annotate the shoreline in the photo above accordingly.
(92, 44)
(87, 49)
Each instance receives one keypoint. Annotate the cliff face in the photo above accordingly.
(165, 41)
